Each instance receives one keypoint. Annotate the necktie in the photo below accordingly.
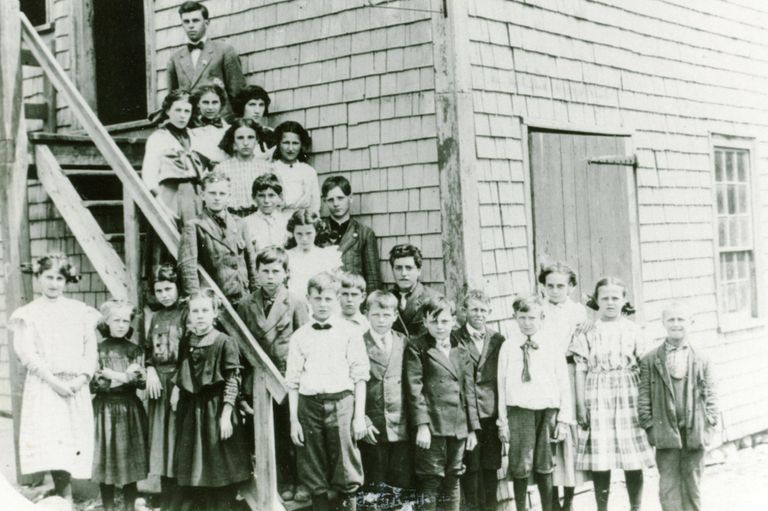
(268, 301)
(212, 122)
(386, 344)
(403, 301)
(527, 345)
(321, 326)
(195, 46)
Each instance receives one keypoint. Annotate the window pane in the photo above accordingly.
(721, 199)
(742, 166)
(718, 166)
(729, 165)
(746, 231)
(743, 199)
(742, 265)
(731, 199)
(722, 231)
(35, 11)
(732, 294)
(733, 232)
(730, 272)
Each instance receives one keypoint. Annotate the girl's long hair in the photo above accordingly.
(298, 129)
(627, 309)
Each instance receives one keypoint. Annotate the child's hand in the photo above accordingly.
(174, 398)
(154, 388)
(504, 434)
(225, 424)
(60, 387)
(423, 437)
(358, 428)
(471, 441)
(245, 408)
(582, 416)
(370, 435)
(297, 434)
(560, 432)
(76, 384)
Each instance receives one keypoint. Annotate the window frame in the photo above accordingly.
(734, 322)
(48, 25)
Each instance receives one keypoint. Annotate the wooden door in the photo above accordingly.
(585, 207)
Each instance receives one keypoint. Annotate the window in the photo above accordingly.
(737, 289)
(36, 11)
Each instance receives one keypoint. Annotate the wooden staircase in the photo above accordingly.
(94, 183)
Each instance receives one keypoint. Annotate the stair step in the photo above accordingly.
(120, 236)
(78, 151)
(103, 203)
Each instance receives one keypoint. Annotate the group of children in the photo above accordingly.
(387, 391)
(382, 401)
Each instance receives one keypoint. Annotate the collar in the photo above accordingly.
(202, 40)
(358, 319)
(474, 333)
(330, 321)
(408, 293)
(522, 338)
(671, 347)
(337, 225)
(269, 218)
(379, 338)
(219, 218)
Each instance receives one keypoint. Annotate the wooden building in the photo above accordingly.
(623, 137)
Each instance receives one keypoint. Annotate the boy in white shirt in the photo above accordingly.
(351, 296)
(534, 401)
(267, 225)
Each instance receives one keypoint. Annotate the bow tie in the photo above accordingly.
(195, 46)
(321, 326)
(204, 121)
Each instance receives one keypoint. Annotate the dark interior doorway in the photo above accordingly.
(119, 51)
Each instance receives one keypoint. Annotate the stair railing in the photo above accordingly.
(268, 383)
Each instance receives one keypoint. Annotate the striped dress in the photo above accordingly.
(610, 354)
(242, 173)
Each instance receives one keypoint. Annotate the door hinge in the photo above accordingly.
(618, 159)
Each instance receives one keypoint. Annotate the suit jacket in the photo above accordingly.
(273, 331)
(217, 61)
(385, 393)
(656, 402)
(440, 389)
(409, 322)
(223, 253)
(360, 253)
(484, 368)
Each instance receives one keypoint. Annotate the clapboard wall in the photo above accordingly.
(669, 72)
(360, 79)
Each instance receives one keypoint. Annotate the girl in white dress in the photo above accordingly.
(306, 255)
(564, 318)
(209, 127)
(55, 340)
(300, 186)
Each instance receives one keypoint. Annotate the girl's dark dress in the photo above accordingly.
(120, 450)
(208, 377)
(162, 353)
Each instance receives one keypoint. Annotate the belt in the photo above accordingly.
(334, 396)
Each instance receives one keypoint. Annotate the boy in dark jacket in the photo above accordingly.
(677, 407)
(442, 406)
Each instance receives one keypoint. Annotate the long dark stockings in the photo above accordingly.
(520, 488)
(130, 492)
(634, 481)
(107, 496)
(170, 493)
(602, 483)
(568, 492)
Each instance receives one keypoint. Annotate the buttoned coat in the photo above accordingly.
(440, 390)
(273, 331)
(656, 402)
(222, 252)
(409, 321)
(218, 62)
(385, 392)
(485, 368)
(360, 253)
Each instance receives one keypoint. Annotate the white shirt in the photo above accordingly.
(445, 347)
(194, 55)
(326, 361)
(300, 186)
(384, 341)
(264, 230)
(478, 338)
(360, 322)
(549, 386)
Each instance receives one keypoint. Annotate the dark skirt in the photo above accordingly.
(162, 427)
(120, 450)
(201, 457)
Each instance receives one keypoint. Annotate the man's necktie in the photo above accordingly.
(527, 345)
(321, 326)
(403, 301)
(212, 122)
(195, 46)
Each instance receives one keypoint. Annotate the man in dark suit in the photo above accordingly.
(202, 61)
(405, 261)
(479, 482)
(442, 406)
(357, 242)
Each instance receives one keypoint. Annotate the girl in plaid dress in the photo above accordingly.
(120, 454)
(607, 363)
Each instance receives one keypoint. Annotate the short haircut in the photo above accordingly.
(323, 281)
(563, 268)
(332, 182)
(57, 261)
(107, 309)
(527, 304)
(166, 272)
(214, 177)
(383, 299)
(192, 7)
(267, 181)
(679, 307)
(437, 305)
(476, 294)
(208, 294)
(246, 94)
(347, 279)
(405, 250)
(272, 254)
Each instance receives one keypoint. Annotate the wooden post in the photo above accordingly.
(264, 431)
(462, 247)
(13, 192)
